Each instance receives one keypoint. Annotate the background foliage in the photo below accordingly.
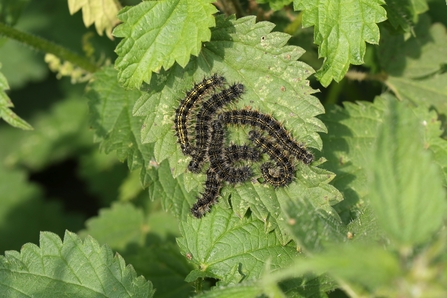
(90, 162)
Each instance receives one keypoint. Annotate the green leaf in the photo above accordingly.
(147, 242)
(170, 191)
(364, 228)
(157, 34)
(102, 13)
(243, 290)
(281, 90)
(124, 225)
(131, 187)
(72, 268)
(430, 91)
(419, 56)
(272, 206)
(66, 120)
(416, 73)
(5, 105)
(221, 240)
(115, 126)
(296, 287)
(371, 267)
(406, 188)
(348, 146)
(313, 228)
(161, 226)
(433, 137)
(119, 226)
(307, 286)
(404, 13)
(341, 30)
(107, 100)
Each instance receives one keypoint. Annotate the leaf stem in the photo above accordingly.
(46, 46)
(334, 92)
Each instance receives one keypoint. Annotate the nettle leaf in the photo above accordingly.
(293, 287)
(348, 146)
(115, 126)
(307, 221)
(370, 267)
(406, 188)
(123, 225)
(157, 34)
(273, 206)
(364, 227)
(276, 84)
(415, 65)
(432, 136)
(171, 192)
(145, 241)
(66, 120)
(404, 13)
(341, 30)
(306, 286)
(419, 56)
(243, 290)
(119, 226)
(5, 105)
(72, 268)
(273, 85)
(221, 242)
(101, 12)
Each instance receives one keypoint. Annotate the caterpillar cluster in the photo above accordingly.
(210, 146)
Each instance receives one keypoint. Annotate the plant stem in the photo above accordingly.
(46, 46)
(334, 92)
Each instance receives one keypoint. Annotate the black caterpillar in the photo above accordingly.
(210, 141)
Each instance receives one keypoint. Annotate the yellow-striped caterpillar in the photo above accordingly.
(283, 173)
(182, 112)
(204, 116)
(271, 126)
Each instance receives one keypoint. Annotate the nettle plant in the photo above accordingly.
(364, 217)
